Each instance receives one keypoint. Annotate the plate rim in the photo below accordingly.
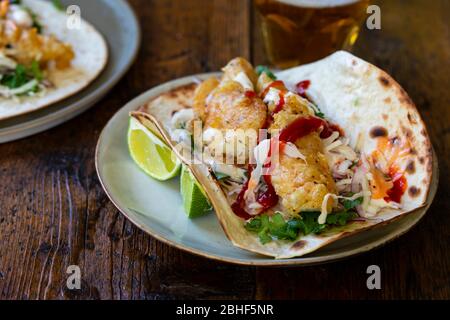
(42, 123)
(264, 261)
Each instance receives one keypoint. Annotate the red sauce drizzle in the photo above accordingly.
(250, 94)
(267, 123)
(276, 84)
(329, 129)
(280, 105)
(302, 86)
(400, 185)
(279, 85)
(237, 206)
(305, 125)
(266, 197)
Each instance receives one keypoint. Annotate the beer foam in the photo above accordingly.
(318, 3)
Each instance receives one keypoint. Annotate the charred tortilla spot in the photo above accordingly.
(354, 62)
(388, 100)
(299, 245)
(404, 98)
(412, 119)
(378, 132)
(394, 140)
(411, 167)
(422, 160)
(423, 132)
(413, 191)
(385, 116)
(384, 81)
(408, 132)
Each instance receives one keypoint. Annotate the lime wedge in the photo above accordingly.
(152, 155)
(196, 203)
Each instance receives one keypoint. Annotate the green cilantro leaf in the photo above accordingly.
(58, 5)
(350, 204)
(275, 227)
(320, 114)
(15, 79)
(254, 225)
(340, 218)
(310, 224)
(21, 76)
(266, 70)
(36, 71)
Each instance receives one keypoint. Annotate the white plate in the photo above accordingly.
(118, 24)
(156, 207)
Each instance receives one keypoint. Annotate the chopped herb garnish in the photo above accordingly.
(58, 5)
(317, 111)
(21, 76)
(320, 114)
(266, 70)
(340, 218)
(350, 204)
(15, 79)
(275, 227)
(36, 71)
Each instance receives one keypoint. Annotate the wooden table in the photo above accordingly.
(54, 213)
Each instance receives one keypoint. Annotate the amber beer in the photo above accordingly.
(302, 31)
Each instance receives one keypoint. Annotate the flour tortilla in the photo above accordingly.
(351, 93)
(91, 56)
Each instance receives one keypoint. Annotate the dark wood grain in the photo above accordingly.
(54, 213)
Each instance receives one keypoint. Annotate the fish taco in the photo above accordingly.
(43, 57)
(339, 148)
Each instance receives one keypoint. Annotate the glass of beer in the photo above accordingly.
(301, 31)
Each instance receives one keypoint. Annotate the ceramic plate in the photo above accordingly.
(118, 24)
(156, 207)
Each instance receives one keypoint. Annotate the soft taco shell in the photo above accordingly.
(341, 80)
(91, 56)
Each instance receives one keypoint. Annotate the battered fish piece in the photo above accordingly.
(301, 185)
(201, 94)
(231, 104)
(227, 104)
(228, 107)
(27, 45)
(236, 66)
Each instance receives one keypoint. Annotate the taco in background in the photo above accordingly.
(42, 61)
(346, 150)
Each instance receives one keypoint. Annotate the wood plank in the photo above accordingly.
(54, 212)
(414, 47)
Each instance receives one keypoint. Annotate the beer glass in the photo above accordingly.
(301, 31)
